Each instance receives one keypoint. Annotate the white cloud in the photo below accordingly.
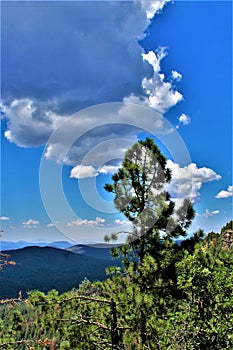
(121, 222)
(225, 194)
(157, 93)
(30, 123)
(109, 169)
(112, 32)
(152, 7)
(116, 69)
(99, 222)
(50, 225)
(83, 171)
(176, 76)
(31, 223)
(215, 212)
(4, 218)
(208, 213)
(184, 119)
(187, 181)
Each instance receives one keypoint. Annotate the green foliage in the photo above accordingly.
(140, 193)
(149, 257)
(228, 226)
(61, 322)
(164, 296)
(85, 287)
(205, 316)
(192, 311)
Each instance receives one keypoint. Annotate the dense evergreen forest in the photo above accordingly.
(165, 295)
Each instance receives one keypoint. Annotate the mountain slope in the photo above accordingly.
(100, 251)
(48, 268)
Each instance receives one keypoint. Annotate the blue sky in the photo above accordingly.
(169, 65)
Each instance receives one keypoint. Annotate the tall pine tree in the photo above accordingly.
(140, 193)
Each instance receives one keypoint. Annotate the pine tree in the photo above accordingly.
(141, 195)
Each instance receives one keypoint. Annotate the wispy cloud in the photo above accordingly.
(225, 194)
(31, 223)
(109, 169)
(208, 213)
(52, 224)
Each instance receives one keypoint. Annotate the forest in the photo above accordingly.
(163, 295)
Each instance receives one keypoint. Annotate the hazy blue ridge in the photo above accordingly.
(6, 245)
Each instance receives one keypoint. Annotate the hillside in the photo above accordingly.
(47, 268)
(100, 251)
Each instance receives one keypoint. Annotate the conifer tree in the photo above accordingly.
(140, 193)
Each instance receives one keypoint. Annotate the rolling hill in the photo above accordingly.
(47, 268)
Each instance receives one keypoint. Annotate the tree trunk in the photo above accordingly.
(142, 320)
(114, 331)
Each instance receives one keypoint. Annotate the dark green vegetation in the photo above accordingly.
(100, 251)
(164, 296)
(140, 193)
(199, 315)
(47, 268)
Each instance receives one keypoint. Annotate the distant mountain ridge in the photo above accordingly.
(7, 245)
(46, 268)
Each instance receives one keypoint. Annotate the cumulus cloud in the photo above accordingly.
(96, 58)
(187, 181)
(184, 119)
(31, 223)
(98, 222)
(225, 194)
(30, 123)
(152, 7)
(83, 171)
(81, 66)
(176, 75)
(158, 93)
(4, 218)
